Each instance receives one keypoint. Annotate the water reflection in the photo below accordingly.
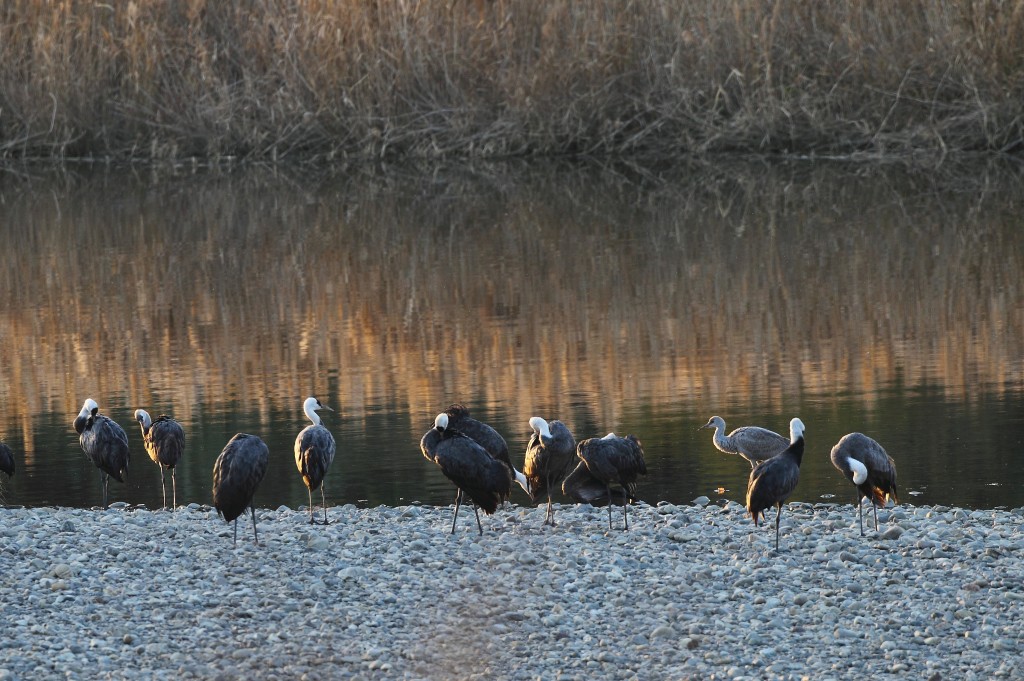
(858, 299)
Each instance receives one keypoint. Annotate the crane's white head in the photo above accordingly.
(796, 430)
(441, 422)
(142, 416)
(716, 422)
(311, 406)
(84, 418)
(541, 426)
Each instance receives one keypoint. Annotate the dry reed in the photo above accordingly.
(326, 80)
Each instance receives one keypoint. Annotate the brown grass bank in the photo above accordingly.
(322, 80)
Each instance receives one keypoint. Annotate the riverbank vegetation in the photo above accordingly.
(351, 79)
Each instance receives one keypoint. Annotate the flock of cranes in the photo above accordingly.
(776, 461)
(601, 471)
(475, 458)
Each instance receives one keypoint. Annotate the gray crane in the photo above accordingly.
(314, 453)
(865, 463)
(773, 480)
(550, 455)
(105, 443)
(237, 473)
(164, 440)
(6, 460)
(753, 443)
(478, 475)
(609, 460)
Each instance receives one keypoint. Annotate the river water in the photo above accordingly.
(626, 299)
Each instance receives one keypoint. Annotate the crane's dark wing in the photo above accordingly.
(771, 482)
(486, 480)
(552, 460)
(481, 433)
(534, 466)
(106, 445)
(314, 453)
(165, 441)
(237, 472)
(881, 480)
(613, 460)
(584, 488)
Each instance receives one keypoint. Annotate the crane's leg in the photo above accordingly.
(323, 500)
(625, 509)
(174, 491)
(256, 536)
(234, 539)
(609, 490)
(875, 507)
(105, 479)
(310, 491)
(549, 517)
(163, 483)
(478, 525)
(458, 502)
(778, 516)
(860, 512)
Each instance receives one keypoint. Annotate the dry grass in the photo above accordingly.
(323, 79)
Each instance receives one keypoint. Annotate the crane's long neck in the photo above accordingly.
(723, 441)
(540, 426)
(146, 421)
(312, 415)
(796, 441)
(796, 450)
(523, 482)
(859, 470)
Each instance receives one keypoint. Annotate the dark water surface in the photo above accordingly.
(857, 298)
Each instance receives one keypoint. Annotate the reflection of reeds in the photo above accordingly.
(308, 78)
(543, 290)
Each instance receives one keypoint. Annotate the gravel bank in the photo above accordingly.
(687, 592)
